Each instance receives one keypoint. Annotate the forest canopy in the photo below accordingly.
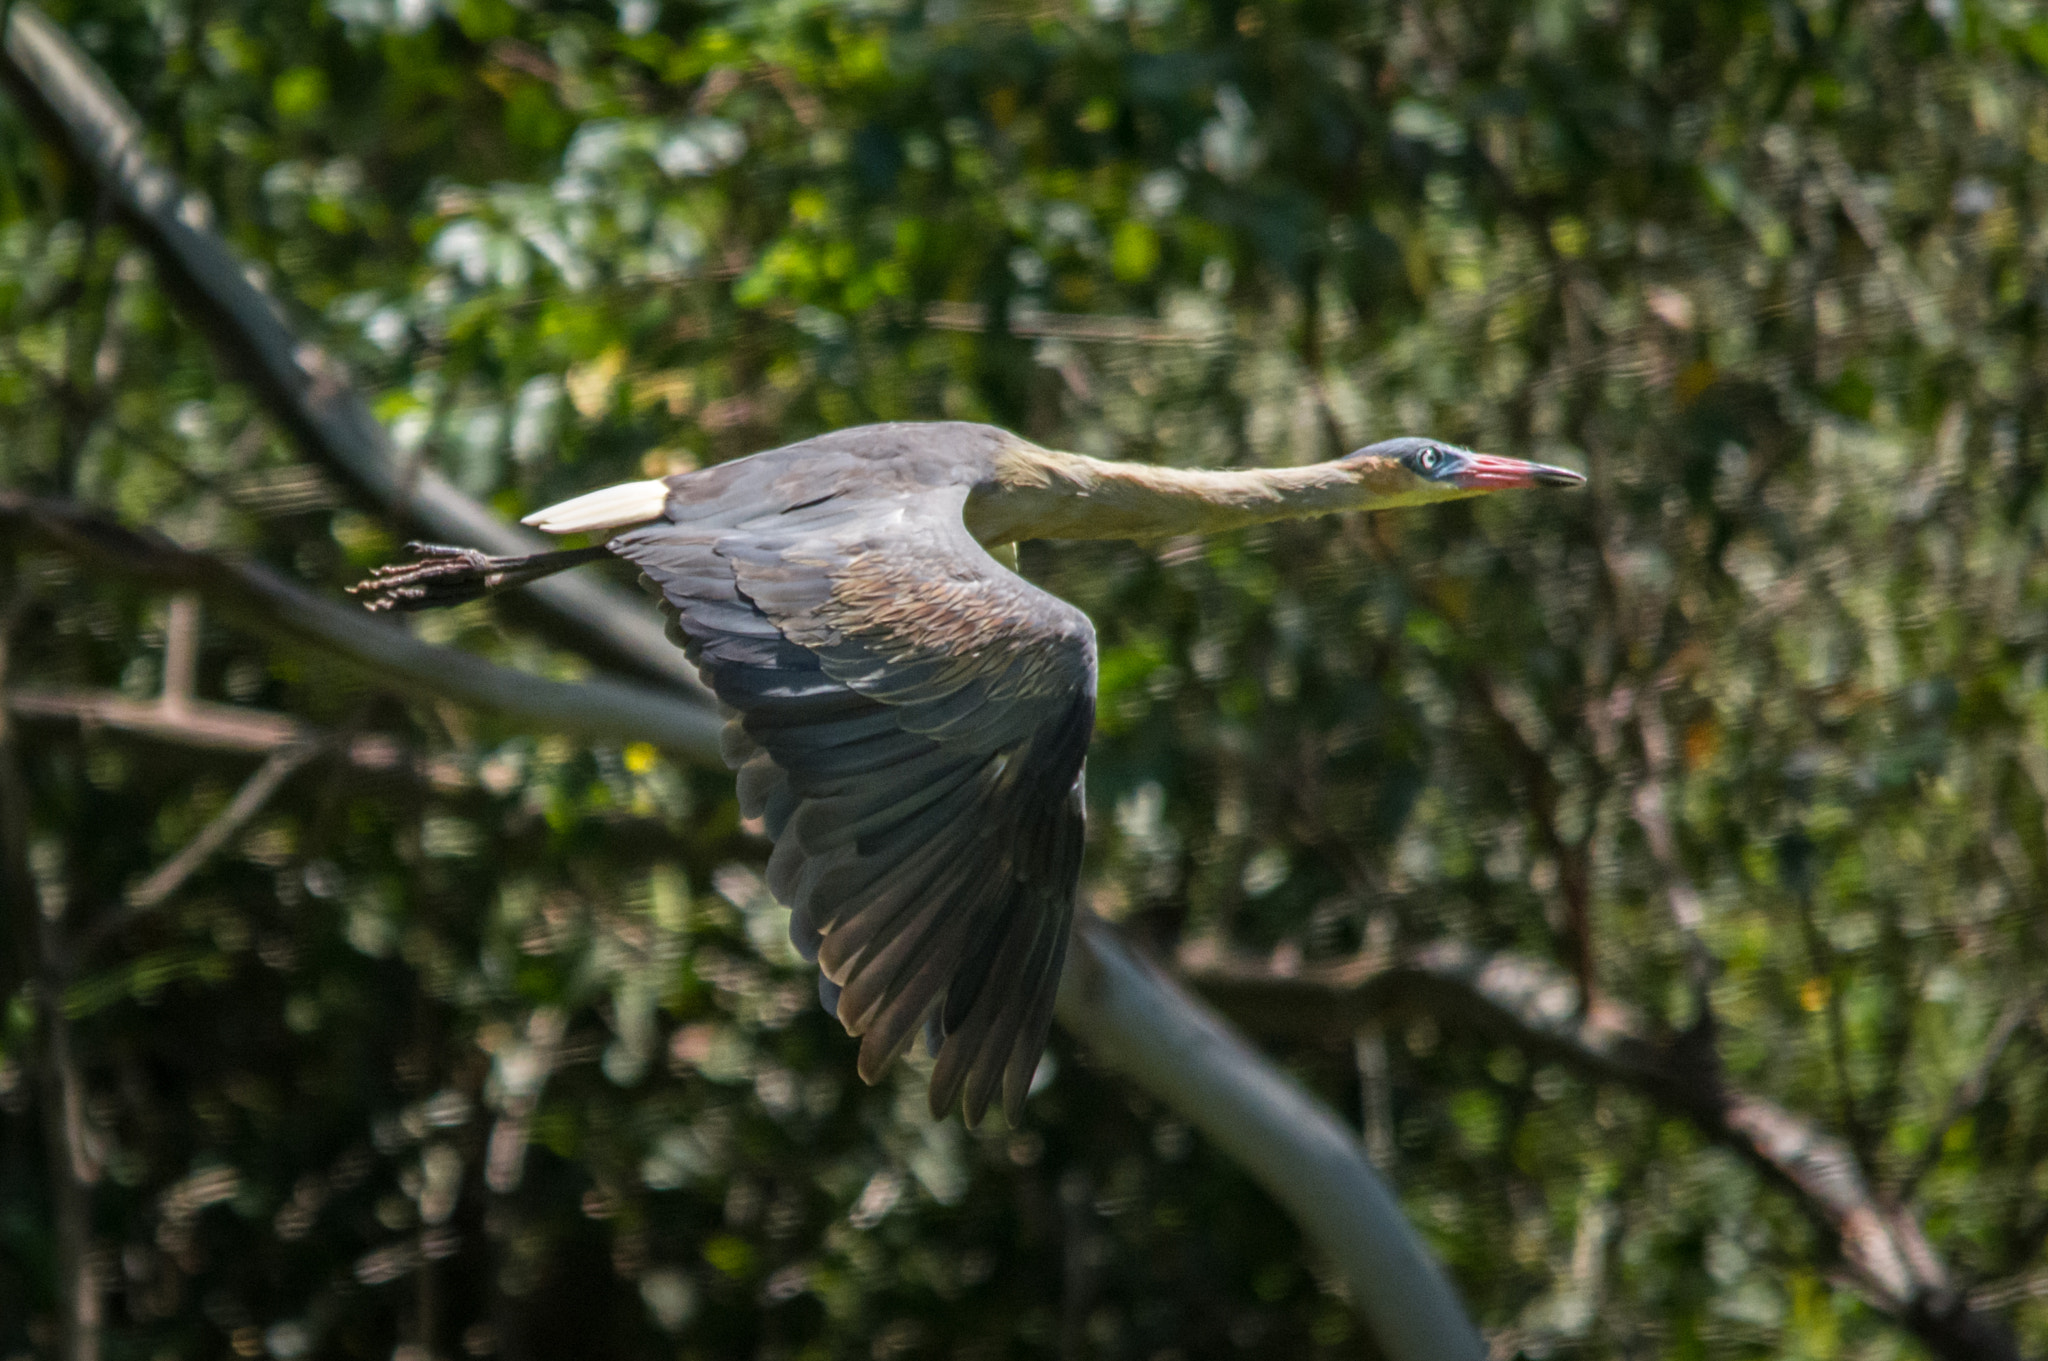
(1653, 877)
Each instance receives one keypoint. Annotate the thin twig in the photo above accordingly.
(224, 727)
(15, 877)
(1651, 804)
(1820, 955)
(1968, 1093)
(1031, 323)
(1922, 307)
(1375, 1095)
(1574, 873)
(73, 1154)
(249, 800)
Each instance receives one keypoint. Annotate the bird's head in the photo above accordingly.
(1411, 472)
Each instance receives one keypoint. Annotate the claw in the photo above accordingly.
(443, 575)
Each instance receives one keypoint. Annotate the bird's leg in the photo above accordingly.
(443, 574)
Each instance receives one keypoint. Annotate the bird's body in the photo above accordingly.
(908, 717)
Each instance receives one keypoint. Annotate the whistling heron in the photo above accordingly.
(908, 717)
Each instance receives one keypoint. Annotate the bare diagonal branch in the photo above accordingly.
(310, 391)
(1532, 1005)
(604, 710)
(249, 800)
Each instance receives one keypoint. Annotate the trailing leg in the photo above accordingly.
(446, 575)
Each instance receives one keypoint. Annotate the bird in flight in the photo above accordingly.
(908, 716)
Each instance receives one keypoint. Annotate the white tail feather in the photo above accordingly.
(629, 503)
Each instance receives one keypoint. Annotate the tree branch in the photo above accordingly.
(170, 876)
(1033, 324)
(310, 391)
(220, 726)
(1534, 1006)
(1970, 1092)
(1574, 869)
(223, 727)
(1140, 1022)
(1651, 805)
(602, 710)
(71, 1155)
(1922, 307)
(17, 884)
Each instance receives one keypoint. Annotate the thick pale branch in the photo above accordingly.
(1533, 1006)
(309, 390)
(1138, 1021)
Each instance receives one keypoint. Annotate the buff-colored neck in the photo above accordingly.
(1043, 494)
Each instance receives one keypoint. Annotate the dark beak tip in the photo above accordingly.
(1486, 472)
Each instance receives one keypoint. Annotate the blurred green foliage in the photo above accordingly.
(505, 1055)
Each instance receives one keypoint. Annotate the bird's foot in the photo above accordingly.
(442, 574)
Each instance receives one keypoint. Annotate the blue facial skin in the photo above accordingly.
(1435, 461)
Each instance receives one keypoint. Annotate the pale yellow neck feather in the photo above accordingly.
(1043, 494)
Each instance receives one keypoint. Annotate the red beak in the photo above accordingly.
(1484, 472)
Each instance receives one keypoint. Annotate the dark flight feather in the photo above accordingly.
(910, 719)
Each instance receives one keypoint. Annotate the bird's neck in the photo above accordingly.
(1044, 494)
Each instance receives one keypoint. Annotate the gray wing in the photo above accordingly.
(910, 720)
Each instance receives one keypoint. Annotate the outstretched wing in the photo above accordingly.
(910, 720)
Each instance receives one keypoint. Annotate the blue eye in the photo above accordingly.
(1427, 460)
